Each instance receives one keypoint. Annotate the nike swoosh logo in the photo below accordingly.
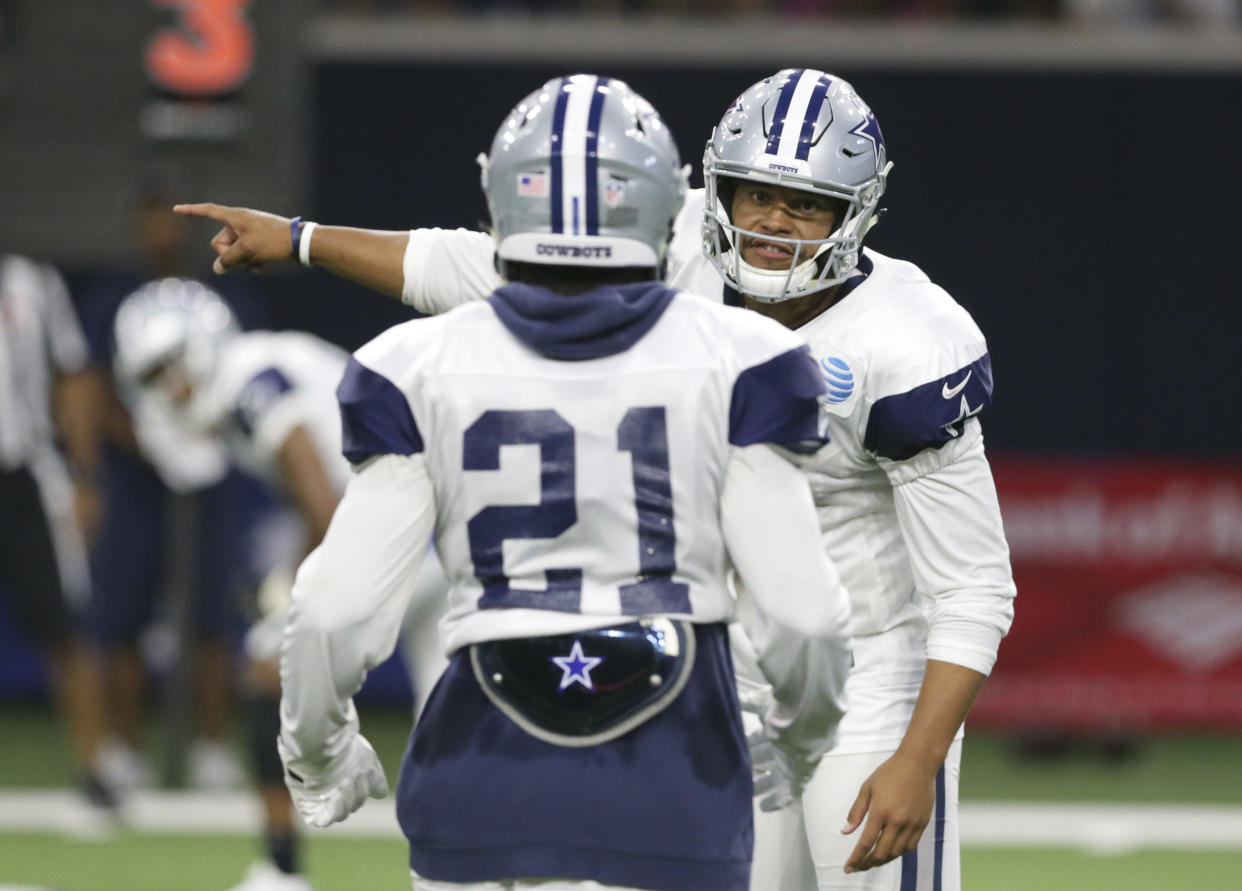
(950, 393)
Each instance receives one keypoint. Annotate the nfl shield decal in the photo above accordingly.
(614, 191)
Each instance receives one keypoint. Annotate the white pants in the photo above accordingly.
(801, 847)
(421, 884)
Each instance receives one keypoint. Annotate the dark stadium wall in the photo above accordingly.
(1085, 218)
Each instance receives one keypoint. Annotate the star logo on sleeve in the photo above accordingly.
(576, 667)
(954, 427)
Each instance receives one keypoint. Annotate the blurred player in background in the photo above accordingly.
(153, 476)
(47, 390)
(267, 398)
(592, 451)
(794, 174)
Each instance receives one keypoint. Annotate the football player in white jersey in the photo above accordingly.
(593, 451)
(794, 173)
(269, 399)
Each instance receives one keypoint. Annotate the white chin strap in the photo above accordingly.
(779, 284)
(776, 285)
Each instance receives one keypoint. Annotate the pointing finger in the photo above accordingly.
(216, 212)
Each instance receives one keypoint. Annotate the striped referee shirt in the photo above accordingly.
(39, 336)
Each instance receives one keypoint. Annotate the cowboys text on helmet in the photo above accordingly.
(583, 172)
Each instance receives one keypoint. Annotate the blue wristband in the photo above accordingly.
(295, 233)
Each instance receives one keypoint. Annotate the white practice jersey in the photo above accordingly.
(906, 500)
(265, 384)
(560, 518)
(578, 461)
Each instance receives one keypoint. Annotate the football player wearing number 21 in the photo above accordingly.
(594, 452)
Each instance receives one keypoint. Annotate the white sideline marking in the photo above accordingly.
(1093, 827)
(1101, 828)
(169, 813)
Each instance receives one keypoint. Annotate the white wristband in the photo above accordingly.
(304, 242)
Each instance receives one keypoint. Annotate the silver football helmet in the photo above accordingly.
(171, 320)
(583, 172)
(802, 129)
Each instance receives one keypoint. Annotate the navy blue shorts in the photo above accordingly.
(28, 570)
(667, 806)
(128, 557)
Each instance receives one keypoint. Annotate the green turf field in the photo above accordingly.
(1203, 770)
(207, 863)
(189, 863)
(1006, 869)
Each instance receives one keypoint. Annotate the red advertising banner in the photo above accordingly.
(1129, 610)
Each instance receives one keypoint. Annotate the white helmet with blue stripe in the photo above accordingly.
(802, 129)
(171, 320)
(583, 172)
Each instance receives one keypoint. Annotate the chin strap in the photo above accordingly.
(776, 284)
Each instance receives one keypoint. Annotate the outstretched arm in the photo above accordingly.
(250, 239)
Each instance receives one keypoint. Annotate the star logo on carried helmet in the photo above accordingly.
(576, 667)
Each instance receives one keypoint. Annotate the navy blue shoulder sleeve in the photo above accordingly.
(777, 402)
(259, 394)
(375, 416)
(931, 414)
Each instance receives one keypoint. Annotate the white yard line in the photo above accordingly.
(168, 813)
(1101, 828)
(1097, 828)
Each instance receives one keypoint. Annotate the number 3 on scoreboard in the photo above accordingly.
(643, 432)
(210, 53)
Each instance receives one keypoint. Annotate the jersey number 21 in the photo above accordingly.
(643, 432)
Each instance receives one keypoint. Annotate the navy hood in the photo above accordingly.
(598, 323)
